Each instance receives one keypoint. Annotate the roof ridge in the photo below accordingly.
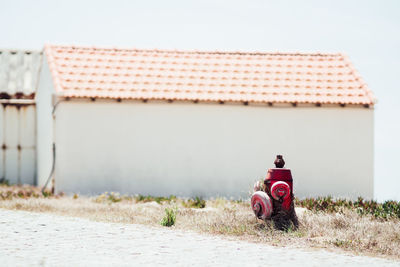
(194, 51)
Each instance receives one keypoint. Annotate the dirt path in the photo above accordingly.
(36, 239)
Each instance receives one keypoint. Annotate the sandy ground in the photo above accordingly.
(37, 239)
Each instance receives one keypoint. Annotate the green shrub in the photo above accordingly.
(114, 197)
(159, 200)
(388, 209)
(47, 193)
(105, 197)
(197, 203)
(4, 181)
(169, 218)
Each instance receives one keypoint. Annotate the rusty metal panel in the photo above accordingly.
(27, 122)
(27, 166)
(2, 164)
(19, 72)
(2, 125)
(18, 149)
(2, 150)
(11, 126)
(11, 165)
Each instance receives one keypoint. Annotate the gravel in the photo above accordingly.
(38, 239)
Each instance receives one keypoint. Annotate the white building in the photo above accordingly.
(19, 72)
(202, 123)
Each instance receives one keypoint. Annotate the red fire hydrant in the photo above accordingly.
(276, 200)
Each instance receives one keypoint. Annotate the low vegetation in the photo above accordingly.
(197, 202)
(4, 181)
(169, 218)
(386, 210)
(23, 192)
(360, 227)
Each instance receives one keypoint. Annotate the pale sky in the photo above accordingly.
(367, 31)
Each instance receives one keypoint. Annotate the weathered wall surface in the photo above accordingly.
(18, 79)
(208, 150)
(44, 124)
(18, 143)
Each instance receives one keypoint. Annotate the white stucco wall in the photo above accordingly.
(44, 122)
(208, 150)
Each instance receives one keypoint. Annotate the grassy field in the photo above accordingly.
(360, 227)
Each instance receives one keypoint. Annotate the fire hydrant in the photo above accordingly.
(275, 201)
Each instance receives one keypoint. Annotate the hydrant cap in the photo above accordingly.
(279, 162)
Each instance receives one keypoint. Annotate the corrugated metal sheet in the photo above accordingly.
(19, 71)
(18, 138)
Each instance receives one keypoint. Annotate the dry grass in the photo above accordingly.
(346, 230)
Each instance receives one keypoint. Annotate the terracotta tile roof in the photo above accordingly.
(206, 76)
(19, 72)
